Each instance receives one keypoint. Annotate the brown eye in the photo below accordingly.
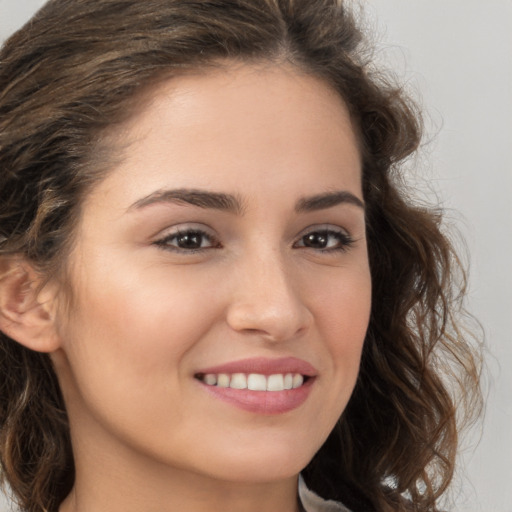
(317, 240)
(325, 240)
(188, 241)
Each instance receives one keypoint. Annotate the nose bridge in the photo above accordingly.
(265, 298)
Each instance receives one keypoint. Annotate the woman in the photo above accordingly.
(211, 280)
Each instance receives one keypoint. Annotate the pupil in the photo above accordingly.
(316, 240)
(190, 240)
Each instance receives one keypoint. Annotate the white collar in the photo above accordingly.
(311, 502)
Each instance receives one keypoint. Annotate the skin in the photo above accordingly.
(146, 316)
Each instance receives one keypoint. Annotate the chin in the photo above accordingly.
(263, 465)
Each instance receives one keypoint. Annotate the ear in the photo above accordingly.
(27, 311)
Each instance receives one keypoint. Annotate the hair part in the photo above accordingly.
(77, 71)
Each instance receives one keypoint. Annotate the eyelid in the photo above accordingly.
(346, 241)
(184, 228)
(324, 227)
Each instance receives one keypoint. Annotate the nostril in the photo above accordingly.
(270, 321)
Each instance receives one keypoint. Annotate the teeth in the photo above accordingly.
(288, 381)
(298, 379)
(238, 381)
(275, 383)
(255, 381)
(210, 379)
(223, 380)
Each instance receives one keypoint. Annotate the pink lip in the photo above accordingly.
(263, 402)
(265, 366)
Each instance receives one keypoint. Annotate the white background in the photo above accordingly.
(457, 54)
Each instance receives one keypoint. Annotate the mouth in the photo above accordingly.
(260, 385)
(254, 381)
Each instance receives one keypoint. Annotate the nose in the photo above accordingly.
(266, 300)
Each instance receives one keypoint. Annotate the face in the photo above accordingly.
(225, 254)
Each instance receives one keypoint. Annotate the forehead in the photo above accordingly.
(235, 126)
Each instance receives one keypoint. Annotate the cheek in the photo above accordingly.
(342, 314)
(125, 350)
(130, 325)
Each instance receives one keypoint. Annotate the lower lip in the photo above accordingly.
(263, 402)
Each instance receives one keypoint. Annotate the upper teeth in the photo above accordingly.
(254, 381)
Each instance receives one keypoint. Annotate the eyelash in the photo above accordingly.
(165, 243)
(343, 240)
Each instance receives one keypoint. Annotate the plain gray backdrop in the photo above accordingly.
(456, 55)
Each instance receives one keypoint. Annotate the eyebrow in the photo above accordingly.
(202, 199)
(327, 200)
(232, 204)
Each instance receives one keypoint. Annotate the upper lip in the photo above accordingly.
(264, 366)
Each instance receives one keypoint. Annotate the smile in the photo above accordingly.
(254, 381)
(260, 385)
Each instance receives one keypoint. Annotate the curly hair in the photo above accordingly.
(76, 70)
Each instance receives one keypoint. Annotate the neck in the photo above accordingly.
(128, 484)
(215, 497)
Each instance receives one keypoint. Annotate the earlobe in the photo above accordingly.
(27, 314)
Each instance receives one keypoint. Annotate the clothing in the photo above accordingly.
(311, 502)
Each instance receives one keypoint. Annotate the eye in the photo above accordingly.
(188, 240)
(325, 240)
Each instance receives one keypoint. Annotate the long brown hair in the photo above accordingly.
(75, 70)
